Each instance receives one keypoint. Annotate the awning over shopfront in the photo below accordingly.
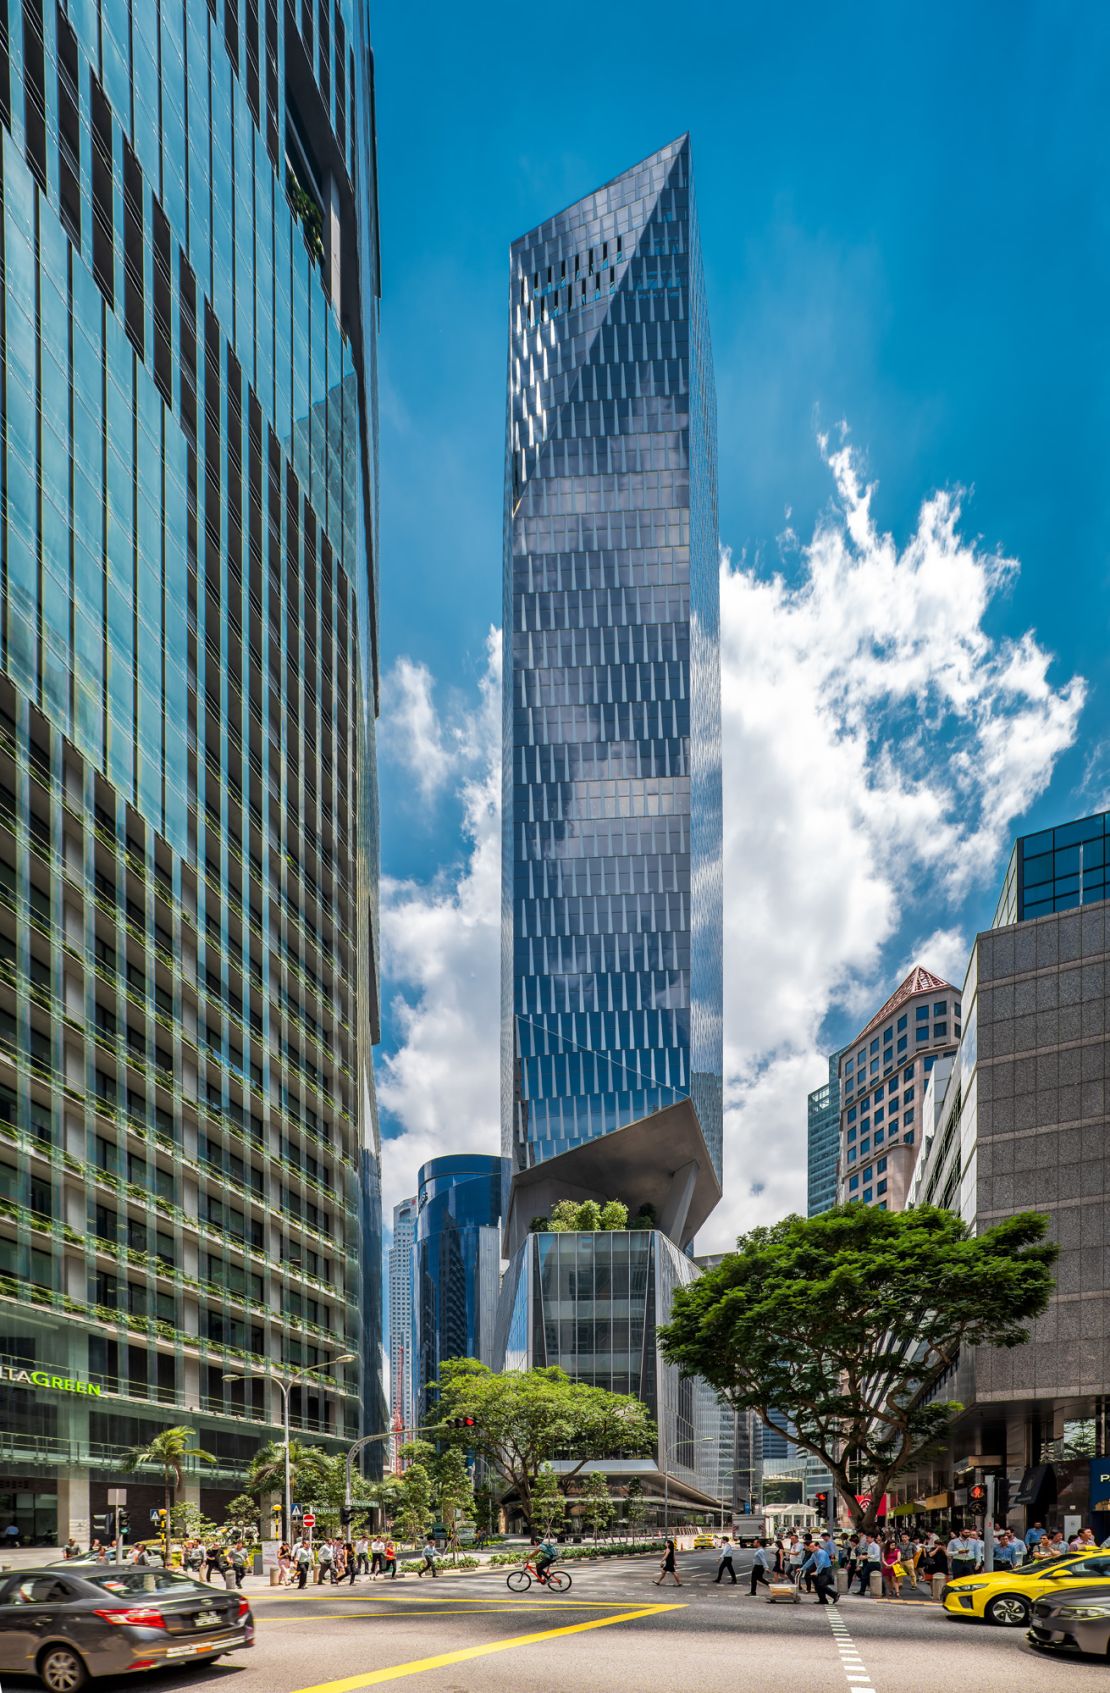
(938, 1502)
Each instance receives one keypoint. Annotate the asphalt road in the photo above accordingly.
(618, 1633)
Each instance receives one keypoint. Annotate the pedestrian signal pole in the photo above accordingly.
(988, 1526)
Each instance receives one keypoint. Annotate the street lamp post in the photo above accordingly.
(285, 1388)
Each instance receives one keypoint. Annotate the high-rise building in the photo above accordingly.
(824, 1140)
(188, 841)
(883, 1074)
(456, 1265)
(1056, 870)
(402, 1399)
(611, 883)
(1022, 1123)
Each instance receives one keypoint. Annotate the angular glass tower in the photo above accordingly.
(188, 859)
(611, 883)
(456, 1266)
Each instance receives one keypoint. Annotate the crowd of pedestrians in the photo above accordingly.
(335, 1560)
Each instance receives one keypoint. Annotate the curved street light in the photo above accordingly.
(285, 1388)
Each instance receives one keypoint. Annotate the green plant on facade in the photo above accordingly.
(307, 213)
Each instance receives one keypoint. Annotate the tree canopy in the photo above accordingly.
(838, 1330)
(525, 1418)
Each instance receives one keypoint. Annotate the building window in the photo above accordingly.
(902, 1021)
(880, 1167)
(893, 1125)
(903, 1044)
(922, 1013)
(875, 1044)
(940, 1009)
(879, 1133)
(881, 1188)
(851, 1114)
(907, 1119)
(940, 1031)
(907, 1097)
(907, 1075)
(865, 1147)
(853, 1181)
(867, 1196)
(880, 1113)
(908, 1139)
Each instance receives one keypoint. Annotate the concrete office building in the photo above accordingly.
(188, 841)
(1024, 1124)
(611, 882)
(883, 1075)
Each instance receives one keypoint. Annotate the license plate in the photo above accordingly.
(206, 1619)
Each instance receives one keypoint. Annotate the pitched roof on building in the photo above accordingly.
(918, 981)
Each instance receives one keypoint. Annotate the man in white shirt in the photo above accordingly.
(762, 1566)
(872, 1562)
(961, 1555)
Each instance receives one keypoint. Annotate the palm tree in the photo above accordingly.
(309, 1468)
(169, 1450)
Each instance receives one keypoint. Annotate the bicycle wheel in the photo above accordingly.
(519, 1581)
(558, 1581)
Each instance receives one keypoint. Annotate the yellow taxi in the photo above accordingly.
(701, 1541)
(1007, 1596)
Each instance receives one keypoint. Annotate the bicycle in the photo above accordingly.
(519, 1581)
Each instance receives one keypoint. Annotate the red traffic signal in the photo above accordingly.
(978, 1492)
(462, 1422)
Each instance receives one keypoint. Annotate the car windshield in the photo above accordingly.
(147, 1581)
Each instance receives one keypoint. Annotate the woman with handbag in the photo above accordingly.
(893, 1570)
(667, 1567)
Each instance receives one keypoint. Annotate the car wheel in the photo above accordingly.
(1009, 1609)
(62, 1670)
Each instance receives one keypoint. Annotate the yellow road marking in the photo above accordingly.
(395, 1672)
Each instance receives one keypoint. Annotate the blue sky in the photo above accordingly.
(905, 227)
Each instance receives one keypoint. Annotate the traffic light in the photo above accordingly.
(104, 1525)
(978, 1493)
(821, 1502)
(123, 1522)
(463, 1422)
(346, 1516)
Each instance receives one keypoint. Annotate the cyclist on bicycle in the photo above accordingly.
(545, 1556)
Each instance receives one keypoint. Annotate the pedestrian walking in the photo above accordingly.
(961, 1555)
(763, 1566)
(724, 1561)
(667, 1567)
(237, 1558)
(818, 1568)
(389, 1559)
(325, 1561)
(429, 1557)
(304, 1563)
(285, 1565)
(362, 1552)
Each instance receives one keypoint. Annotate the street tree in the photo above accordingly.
(524, 1418)
(310, 1469)
(635, 1509)
(414, 1517)
(838, 1330)
(169, 1450)
(549, 1503)
(597, 1502)
(241, 1518)
(454, 1493)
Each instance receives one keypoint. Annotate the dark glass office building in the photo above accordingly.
(188, 979)
(456, 1260)
(1056, 870)
(611, 982)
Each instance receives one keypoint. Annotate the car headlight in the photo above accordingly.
(970, 1586)
(1074, 1613)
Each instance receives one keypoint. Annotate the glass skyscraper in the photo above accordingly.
(611, 883)
(456, 1265)
(611, 879)
(823, 1140)
(188, 684)
(1056, 870)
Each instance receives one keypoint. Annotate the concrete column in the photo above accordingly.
(74, 1512)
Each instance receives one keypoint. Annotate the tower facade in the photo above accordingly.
(401, 1399)
(823, 1141)
(457, 1265)
(188, 986)
(611, 884)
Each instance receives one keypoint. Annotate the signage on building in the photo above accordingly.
(1100, 1484)
(43, 1378)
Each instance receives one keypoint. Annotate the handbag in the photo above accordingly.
(899, 1571)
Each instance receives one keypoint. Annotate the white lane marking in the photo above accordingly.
(850, 1661)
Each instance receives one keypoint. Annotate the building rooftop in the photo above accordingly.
(918, 981)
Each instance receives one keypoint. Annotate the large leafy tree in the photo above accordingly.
(838, 1330)
(525, 1418)
(169, 1450)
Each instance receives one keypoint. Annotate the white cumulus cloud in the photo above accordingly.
(879, 746)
